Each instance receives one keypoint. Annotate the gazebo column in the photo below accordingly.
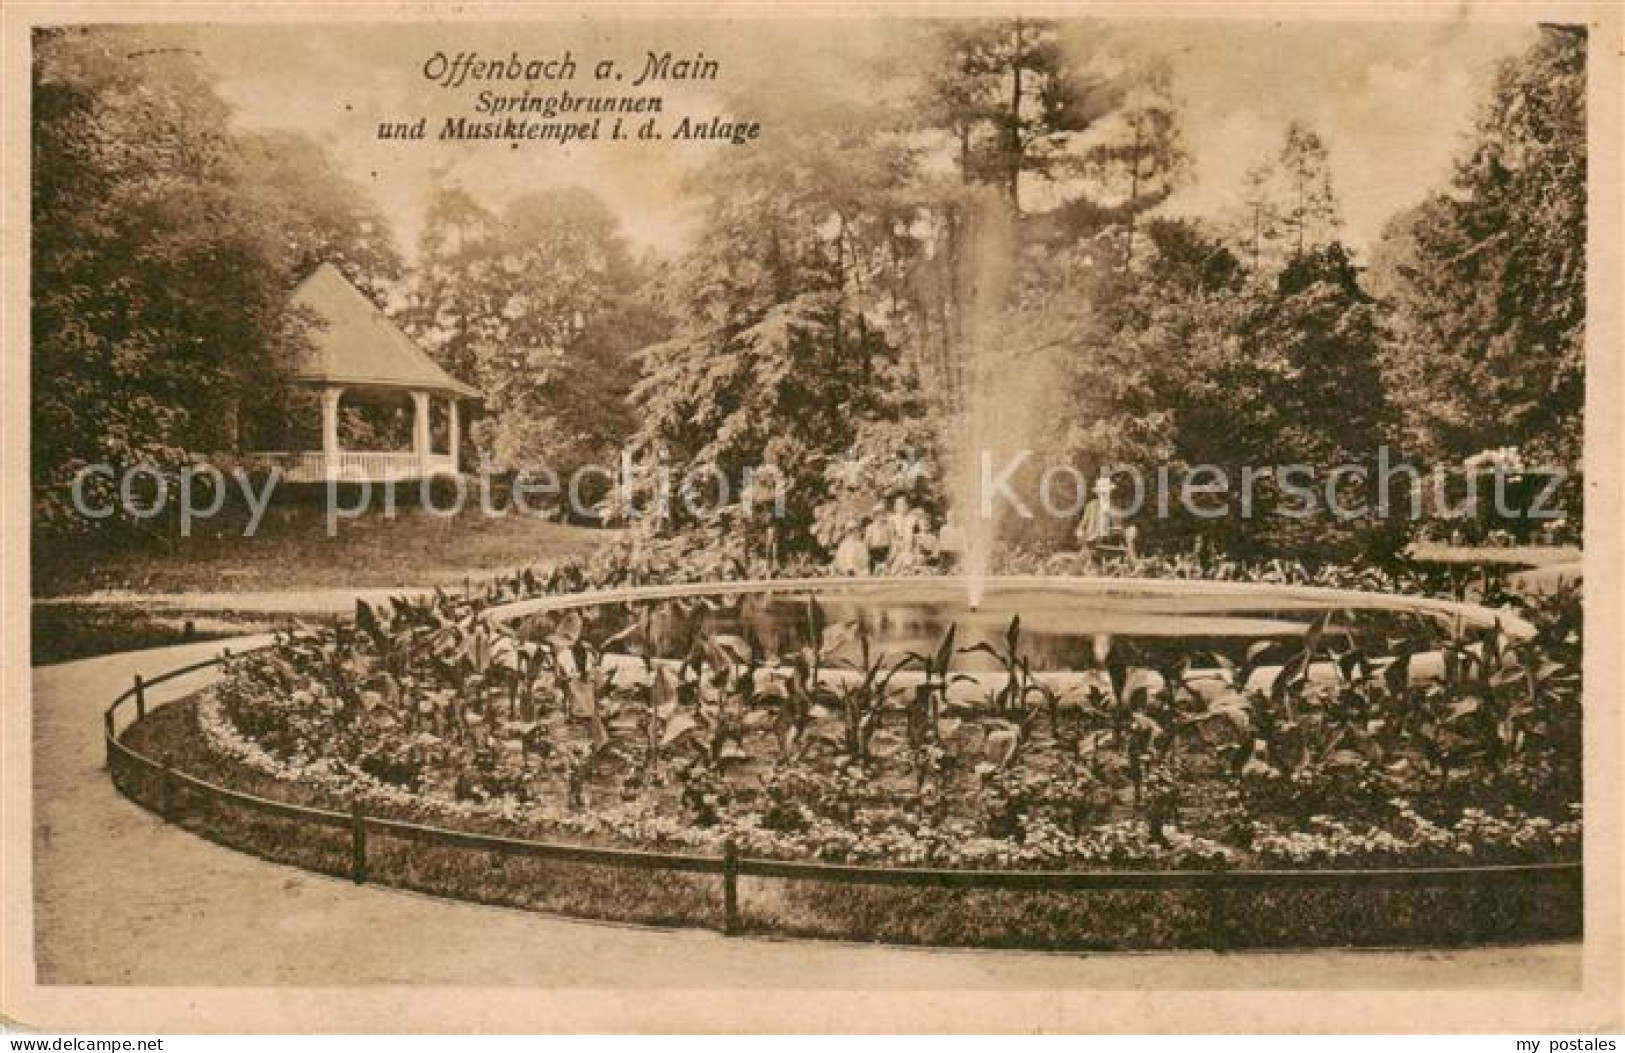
(421, 447)
(330, 431)
(454, 424)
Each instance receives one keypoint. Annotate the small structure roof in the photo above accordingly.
(356, 344)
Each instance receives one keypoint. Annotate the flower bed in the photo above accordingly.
(430, 713)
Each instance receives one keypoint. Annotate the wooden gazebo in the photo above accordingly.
(356, 349)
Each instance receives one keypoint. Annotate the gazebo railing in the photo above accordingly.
(350, 465)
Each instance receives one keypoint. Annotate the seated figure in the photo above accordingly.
(1101, 530)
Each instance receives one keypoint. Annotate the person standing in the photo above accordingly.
(950, 541)
(877, 537)
(762, 497)
(904, 525)
(852, 554)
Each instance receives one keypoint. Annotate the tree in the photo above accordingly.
(1014, 104)
(1289, 207)
(1186, 363)
(322, 216)
(538, 305)
(455, 291)
(1140, 162)
(1152, 363)
(566, 269)
(1309, 214)
(1307, 364)
(798, 320)
(1487, 279)
(1259, 224)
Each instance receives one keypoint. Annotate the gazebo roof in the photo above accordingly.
(356, 343)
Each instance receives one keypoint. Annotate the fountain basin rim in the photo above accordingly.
(1473, 614)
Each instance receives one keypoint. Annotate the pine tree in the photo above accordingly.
(1309, 211)
(1289, 206)
(1013, 101)
(1141, 163)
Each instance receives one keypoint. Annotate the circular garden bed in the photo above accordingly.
(1341, 799)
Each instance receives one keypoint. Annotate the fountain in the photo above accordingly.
(996, 389)
(969, 425)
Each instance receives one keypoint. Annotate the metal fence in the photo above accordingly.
(345, 843)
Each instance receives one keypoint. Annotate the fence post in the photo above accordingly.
(140, 697)
(1218, 919)
(358, 844)
(730, 889)
(107, 740)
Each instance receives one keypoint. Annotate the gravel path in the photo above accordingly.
(123, 899)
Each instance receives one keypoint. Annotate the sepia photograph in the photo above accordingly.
(721, 519)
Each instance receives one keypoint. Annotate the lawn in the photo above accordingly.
(62, 632)
(92, 597)
(292, 551)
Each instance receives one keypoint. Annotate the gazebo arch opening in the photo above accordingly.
(375, 420)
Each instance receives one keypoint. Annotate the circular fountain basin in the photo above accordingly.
(1067, 624)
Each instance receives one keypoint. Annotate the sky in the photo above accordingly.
(1393, 102)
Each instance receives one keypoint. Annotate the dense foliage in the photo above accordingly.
(1487, 278)
(539, 305)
